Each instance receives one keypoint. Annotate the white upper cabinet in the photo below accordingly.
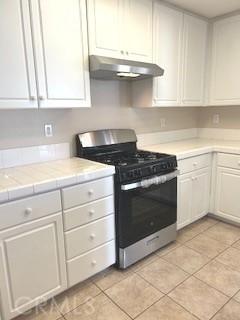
(138, 30)
(60, 33)
(17, 73)
(104, 24)
(225, 87)
(121, 29)
(194, 60)
(179, 47)
(43, 54)
(167, 53)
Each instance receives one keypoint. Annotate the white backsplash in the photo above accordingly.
(219, 134)
(22, 156)
(147, 139)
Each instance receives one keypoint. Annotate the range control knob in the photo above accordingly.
(130, 174)
(164, 166)
(154, 169)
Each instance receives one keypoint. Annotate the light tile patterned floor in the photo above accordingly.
(195, 278)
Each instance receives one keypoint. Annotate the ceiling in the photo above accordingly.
(208, 8)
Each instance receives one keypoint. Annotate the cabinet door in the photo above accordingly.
(184, 202)
(60, 33)
(194, 61)
(137, 30)
(201, 193)
(167, 53)
(32, 264)
(104, 20)
(227, 193)
(225, 88)
(17, 73)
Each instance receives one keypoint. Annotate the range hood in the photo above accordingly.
(118, 69)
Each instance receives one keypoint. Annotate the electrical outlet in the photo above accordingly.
(216, 119)
(48, 130)
(162, 122)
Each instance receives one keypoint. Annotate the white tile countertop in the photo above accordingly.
(193, 147)
(31, 179)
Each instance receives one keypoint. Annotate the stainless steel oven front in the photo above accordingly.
(146, 216)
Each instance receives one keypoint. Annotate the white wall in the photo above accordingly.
(110, 109)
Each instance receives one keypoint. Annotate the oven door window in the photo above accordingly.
(144, 211)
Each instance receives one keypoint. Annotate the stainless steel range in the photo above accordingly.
(145, 191)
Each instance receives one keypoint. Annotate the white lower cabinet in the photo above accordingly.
(40, 257)
(193, 196)
(89, 228)
(32, 264)
(184, 202)
(227, 187)
(90, 263)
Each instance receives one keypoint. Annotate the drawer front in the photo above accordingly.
(194, 163)
(28, 209)
(83, 239)
(229, 160)
(90, 263)
(87, 213)
(84, 193)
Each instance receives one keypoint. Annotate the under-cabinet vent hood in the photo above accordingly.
(118, 69)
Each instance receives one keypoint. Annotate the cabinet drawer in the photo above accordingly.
(87, 213)
(83, 193)
(83, 239)
(28, 209)
(229, 160)
(90, 263)
(194, 163)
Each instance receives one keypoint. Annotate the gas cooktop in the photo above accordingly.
(121, 159)
(119, 148)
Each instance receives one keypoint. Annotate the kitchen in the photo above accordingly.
(91, 226)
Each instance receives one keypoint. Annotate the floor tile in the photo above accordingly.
(42, 312)
(144, 262)
(187, 259)
(220, 277)
(195, 228)
(237, 297)
(76, 296)
(163, 275)
(109, 277)
(198, 298)
(165, 250)
(205, 223)
(206, 246)
(236, 244)
(166, 309)
(231, 311)
(99, 308)
(187, 234)
(134, 295)
(224, 233)
(230, 257)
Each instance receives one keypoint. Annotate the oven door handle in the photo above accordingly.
(148, 182)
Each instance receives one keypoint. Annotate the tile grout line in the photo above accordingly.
(119, 306)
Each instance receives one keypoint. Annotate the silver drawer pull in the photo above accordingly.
(91, 212)
(90, 192)
(28, 211)
(92, 236)
(94, 262)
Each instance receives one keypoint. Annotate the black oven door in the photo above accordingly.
(144, 210)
